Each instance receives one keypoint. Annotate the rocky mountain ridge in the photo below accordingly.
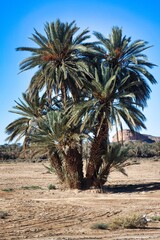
(126, 135)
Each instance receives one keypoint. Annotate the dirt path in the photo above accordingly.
(67, 215)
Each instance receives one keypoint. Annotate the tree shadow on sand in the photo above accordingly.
(131, 188)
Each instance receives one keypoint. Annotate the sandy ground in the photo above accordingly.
(67, 215)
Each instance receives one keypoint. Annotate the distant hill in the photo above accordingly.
(126, 135)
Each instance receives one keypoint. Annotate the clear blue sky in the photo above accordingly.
(139, 19)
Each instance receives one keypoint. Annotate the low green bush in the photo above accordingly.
(51, 187)
(102, 226)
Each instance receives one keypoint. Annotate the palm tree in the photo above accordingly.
(30, 110)
(53, 137)
(111, 100)
(88, 87)
(46, 141)
(60, 59)
(117, 51)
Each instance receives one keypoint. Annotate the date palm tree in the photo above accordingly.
(53, 137)
(60, 58)
(109, 101)
(117, 51)
(30, 109)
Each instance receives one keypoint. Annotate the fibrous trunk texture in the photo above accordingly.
(74, 168)
(56, 163)
(98, 148)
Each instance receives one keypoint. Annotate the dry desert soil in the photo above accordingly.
(29, 210)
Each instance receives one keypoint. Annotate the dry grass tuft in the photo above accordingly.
(131, 222)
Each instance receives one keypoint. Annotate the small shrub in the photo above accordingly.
(155, 218)
(8, 190)
(3, 214)
(51, 187)
(31, 187)
(132, 222)
(102, 226)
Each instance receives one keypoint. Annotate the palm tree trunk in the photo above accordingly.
(98, 147)
(56, 163)
(64, 94)
(74, 168)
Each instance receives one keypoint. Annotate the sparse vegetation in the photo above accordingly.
(155, 218)
(31, 187)
(3, 214)
(51, 187)
(10, 151)
(131, 222)
(102, 226)
(143, 149)
(74, 212)
(8, 189)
